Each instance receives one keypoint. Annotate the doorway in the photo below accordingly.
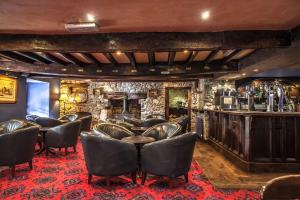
(178, 103)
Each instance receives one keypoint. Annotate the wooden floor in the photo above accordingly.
(223, 174)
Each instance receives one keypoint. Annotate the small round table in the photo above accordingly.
(43, 131)
(138, 141)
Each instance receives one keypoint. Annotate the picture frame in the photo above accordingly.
(8, 89)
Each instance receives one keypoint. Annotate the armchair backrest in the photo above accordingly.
(86, 122)
(106, 156)
(156, 116)
(47, 122)
(18, 146)
(12, 125)
(153, 121)
(69, 117)
(112, 130)
(163, 130)
(132, 120)
(63, 135)
(284, 187)
(183, 122)
(171, 157)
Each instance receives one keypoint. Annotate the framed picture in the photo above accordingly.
(8, 89)
(153, 93)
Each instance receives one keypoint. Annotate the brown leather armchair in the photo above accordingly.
(163, 131)
(284, 187)
(17, 143)
(112, 130)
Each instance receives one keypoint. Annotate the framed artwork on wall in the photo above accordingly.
(8, 89)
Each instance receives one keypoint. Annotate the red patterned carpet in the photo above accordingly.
(65, 177)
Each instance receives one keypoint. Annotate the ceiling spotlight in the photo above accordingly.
(99, 70)
(152, 70)
(134, 70)
(243, 74)
(90, 17)
(8, 68)
(118, 53)
(80, 70)
(63, 69)
(255, 70)
(185, 51)
(115, 71)
(205, 15)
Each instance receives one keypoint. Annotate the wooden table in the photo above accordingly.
(138, 130)
(138, 141)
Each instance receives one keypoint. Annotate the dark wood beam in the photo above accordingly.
(171, 57)
(73, 59)
(91, 58)
(54, 59)
(110, 57)
(145, 41)
(16, 57)
(162, 69)
(131, 58)
(151, 58)
(211, 56)
(230, 56)
(191, 57)
(35, 57)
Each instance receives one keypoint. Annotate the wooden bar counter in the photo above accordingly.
(257, 141)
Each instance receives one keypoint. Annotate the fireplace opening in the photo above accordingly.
(122, 107)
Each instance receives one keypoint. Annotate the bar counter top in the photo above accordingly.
(256, 113)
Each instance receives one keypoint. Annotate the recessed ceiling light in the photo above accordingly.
(63, 69)
(98, 70)
(118, 53)
(255, 70)
(80, 70)
(90, 17)
(133, 70)
(185, 51)
(152, 70)
(243, 74)
(205, 15)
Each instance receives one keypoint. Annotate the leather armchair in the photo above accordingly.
(156, 116)
(69, 117)
(108, 157)
(146, 123)
(17, 145)
(86, 122)
(47, 122)
(63, 136)
(183, 122)
(163, 131)
(11, 125)
(171, 157)
(112, 130)
(284, 187)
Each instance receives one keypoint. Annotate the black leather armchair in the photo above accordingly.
(284, 187)
(171, 157)
(48, 122)
(86, 122)
(183, 122)
(163, 131)
(146, 123)
(156, 116)
(108, 157)
(17, 144)
(69, 117)
(63, 136)
(112, 130)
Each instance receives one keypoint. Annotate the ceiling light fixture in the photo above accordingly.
(255, 70)
(98, 70)
(205, 15)
(185, 51)
(90, 17)
(118, 53)
(243, 74)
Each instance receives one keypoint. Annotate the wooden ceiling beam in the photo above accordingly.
(211, 56)
(36, 57)
(131, 58)
(91, 58)
(16, 57)
(151, 58)
(230, 56)
(171, 57)
(110, 57)
(73, 59)
(191, 57)
(145, 41)
(54, 59)
(196, 68)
